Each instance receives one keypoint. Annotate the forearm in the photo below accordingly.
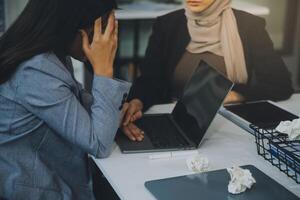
(106, 111)
(234, 97)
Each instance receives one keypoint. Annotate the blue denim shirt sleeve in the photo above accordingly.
(86, 97)
(48, 95)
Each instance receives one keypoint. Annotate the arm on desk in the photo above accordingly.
(50, 98)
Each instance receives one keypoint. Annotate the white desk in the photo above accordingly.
(226, 145)
(151, 10)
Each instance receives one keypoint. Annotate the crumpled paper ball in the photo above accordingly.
(291, 128)
(241, 179)
(197, 163)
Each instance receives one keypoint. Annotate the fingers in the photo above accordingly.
(136, 116)
(134, 112)
(116, 30)
(97, 29)
(130, 112)
(133, 132)
(138, 133)
(115, 36)
(125, 108)
(128, 133)
(110, 25)
(85, 41)
(111, 29)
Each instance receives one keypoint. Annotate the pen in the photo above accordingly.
(160, 156)
(173, 154)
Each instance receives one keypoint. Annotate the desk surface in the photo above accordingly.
(226, 145)
(151, 10)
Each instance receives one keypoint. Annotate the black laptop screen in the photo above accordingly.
(202, 97)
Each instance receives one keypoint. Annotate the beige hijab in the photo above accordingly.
(215, 30)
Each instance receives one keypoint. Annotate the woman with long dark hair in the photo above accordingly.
(48, 122)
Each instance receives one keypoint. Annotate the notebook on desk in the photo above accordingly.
(185, 128)
(213, 186)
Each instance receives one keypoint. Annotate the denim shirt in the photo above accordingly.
(48, 126)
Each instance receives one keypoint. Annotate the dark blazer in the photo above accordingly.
(268, 75)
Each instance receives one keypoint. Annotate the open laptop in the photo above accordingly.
(185, 127)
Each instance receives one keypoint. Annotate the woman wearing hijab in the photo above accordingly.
(234, 42)
(48, 122)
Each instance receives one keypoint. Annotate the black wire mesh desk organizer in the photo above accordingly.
(276, 148)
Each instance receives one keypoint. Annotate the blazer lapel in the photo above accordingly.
(243, 34)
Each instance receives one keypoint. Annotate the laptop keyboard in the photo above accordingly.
(162, 132)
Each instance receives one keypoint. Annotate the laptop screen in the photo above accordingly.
(202, 97)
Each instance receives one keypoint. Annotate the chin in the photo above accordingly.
(197, 9)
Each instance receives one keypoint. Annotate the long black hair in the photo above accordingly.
(47, 26)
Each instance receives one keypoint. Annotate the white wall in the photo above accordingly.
(276, 19)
